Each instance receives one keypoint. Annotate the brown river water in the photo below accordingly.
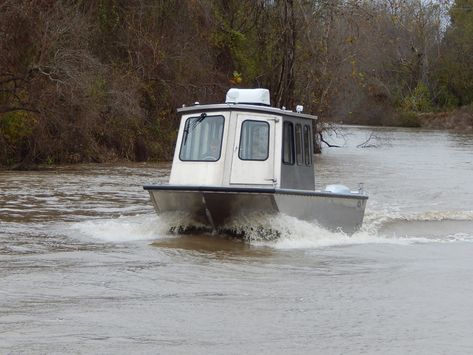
(87, 267)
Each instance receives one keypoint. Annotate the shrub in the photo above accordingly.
(419, 101)
(16, 125)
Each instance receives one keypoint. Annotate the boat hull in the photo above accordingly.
(216, 206)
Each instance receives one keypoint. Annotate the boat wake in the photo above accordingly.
(121, 229)
(285, 232)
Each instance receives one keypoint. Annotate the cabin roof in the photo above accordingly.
(244, 107)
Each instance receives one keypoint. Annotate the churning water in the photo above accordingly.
(87, 267)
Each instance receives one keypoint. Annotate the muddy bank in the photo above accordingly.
(459, 120)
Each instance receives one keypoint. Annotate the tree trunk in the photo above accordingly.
(285, 87)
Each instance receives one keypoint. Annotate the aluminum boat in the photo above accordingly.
(244, 157)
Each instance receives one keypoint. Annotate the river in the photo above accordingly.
(87, 267)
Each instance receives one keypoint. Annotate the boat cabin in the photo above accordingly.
(244, 142)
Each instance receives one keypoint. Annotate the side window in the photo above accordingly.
(299, 144)
(202, 139)
(254, 140)
(307, 150)
(288, 143)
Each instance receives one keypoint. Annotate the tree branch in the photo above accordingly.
(327, 143)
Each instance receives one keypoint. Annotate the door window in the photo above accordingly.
(254, 140)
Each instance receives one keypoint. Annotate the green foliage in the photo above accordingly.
(16, 125)
(108, 14)
(455, 72)
(236, 40)
(419, 101)
(445, 98)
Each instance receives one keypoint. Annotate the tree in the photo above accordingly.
(455, 74)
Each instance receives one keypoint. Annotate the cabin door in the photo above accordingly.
(253, 151)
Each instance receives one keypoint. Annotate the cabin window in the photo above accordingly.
(254, 140)
(299, 144)
(307, 150)
(288, 143)
(202, 138)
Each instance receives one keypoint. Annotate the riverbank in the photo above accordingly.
(459, 120)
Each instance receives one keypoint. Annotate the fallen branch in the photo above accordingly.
(327, 143)
(365, 143)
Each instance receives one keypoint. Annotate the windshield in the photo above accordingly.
(202, 139)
